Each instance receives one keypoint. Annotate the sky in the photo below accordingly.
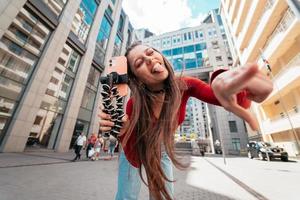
(161, 16)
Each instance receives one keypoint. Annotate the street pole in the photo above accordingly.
(223, 148)
(282, 103)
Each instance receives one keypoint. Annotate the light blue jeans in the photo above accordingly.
(129, 180)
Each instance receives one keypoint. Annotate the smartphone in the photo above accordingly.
(118, 65)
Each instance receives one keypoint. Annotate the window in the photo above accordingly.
(109, 11)
(166, 52)
(190, 63)
(129, 38)
(178, 64)
(37, 120)
(102, 40)
(56, 5)
(177, 51)
(184, 36)
(218, 58)
(200, 46)
(73, 61)
(189, 49)
(54, 80)
(232, 126)
(236, 144)
(19, 53)
(199, 59)
(219, 20)
(189, 35)
(200, 34)
(215, 44)
(84, 18)
(117, 46)
(93, 77)
(88, 99)
(121, 24)
(196, 34)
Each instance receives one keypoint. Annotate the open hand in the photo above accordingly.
(228, 84)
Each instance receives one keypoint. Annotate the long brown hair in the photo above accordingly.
(151, 133)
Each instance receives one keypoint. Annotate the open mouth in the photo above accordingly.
(157, 68)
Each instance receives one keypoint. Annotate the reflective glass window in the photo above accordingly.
(93, 78)
(102, 40)
(88, 99)
(177, 51)
(190, 63)
(199, 59)
(83, 19)
(121, 24)
(177, 64)
(200, 46)
(47, 122)
(189, 49)
(117, 46)
(167, 52)
(20, 48)
(56, 5)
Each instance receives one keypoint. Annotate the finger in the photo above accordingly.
(259, 89)
(246, 115)
(103, 115)
(125, 118)
(105, 128)
(126, 123)
(106, 123)
(240, 79)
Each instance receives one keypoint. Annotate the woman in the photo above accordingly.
(97, 147)
(157, 107)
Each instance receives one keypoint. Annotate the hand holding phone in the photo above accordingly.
(115, 88)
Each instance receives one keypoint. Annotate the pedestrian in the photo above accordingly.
(98, 145)
(79, 143)
(157, 107)
(90, 145)
(113, 143)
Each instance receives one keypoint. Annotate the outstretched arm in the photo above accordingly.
(248, 78)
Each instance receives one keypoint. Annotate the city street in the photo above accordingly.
(49, 175)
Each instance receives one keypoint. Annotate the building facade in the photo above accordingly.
(198, 51)
(142, 33)
(270, 29)
(52, 53)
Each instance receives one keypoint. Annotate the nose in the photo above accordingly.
(148, 60)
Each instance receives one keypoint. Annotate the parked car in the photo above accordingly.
(261, 149)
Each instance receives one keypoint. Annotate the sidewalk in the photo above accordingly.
(210, 185)
(243, 178)
(204, 175)
(48, 175)
(31, 158)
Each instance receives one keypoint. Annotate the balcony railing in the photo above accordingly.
(259, 28)
(291, 112)
(281, 122)
(293, 63)
(281, 27)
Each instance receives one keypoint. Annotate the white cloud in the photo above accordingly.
(160, 16)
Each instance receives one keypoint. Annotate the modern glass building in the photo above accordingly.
(52, 53)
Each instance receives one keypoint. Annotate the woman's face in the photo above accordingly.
(148, 66)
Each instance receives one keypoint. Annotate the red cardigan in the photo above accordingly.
(196, 88)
